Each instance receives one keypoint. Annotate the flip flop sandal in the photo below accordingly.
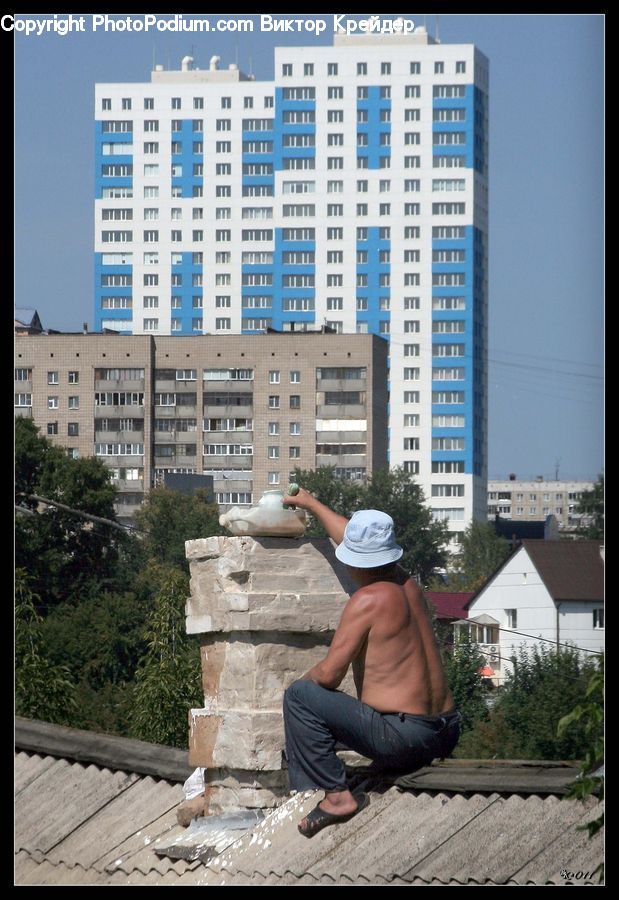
(318, 818)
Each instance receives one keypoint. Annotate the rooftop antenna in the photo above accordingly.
(557, 463)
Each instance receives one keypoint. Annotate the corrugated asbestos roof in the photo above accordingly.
(79, 823)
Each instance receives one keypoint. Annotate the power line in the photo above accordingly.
(80, 513)
(550, 641)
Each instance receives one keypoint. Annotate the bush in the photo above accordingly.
(543, 687)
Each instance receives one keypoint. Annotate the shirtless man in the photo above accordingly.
(404, 716)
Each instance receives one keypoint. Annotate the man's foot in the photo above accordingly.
(320, 818)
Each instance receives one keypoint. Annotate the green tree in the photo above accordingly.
(481, 553)
(591, 504)
(339, 494)
(590, 712)
(462, 668)
(42, 690)
(168, 679)
(424, 541)
(169, 518)
(100, 641)
(542, 685)
(64, 553)
(395, 492)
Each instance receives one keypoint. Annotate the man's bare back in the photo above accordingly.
(386, 634)
(399, 669)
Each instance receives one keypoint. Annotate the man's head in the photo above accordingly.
(369, 541)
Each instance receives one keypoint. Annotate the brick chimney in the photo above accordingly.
(265, 610)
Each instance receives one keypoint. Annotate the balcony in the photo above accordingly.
(126, 412)
(341, 384)
(229, 411)
(123, 486)
(128, 437)
(109, 384)
(345, 460)
(341, 411)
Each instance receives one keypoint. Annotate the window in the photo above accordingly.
(287, 70)
(52, 378)
(52, 428)
(460, 67)
(74, 402)
(362, 94)
(52, 403)
(295, 377)
(512, 618)
(598, 618)
(295, 428)
(439, 68)
(274, 376)
(223, 324)
(273, 478)
(73, 429)
(362, 68)
(273, 452)
(332, 68)
(308, 68)
(335, 93)
(295, 401)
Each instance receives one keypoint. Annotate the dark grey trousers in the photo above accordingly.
(316, 719)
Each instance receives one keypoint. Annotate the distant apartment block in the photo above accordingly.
(246, 409)
(534, 501)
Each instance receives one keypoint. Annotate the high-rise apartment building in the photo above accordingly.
(350, 191)
(246, 410)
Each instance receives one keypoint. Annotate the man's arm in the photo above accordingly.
(347, 643)
(332, 522)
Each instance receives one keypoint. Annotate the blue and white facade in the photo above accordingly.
(350, 191)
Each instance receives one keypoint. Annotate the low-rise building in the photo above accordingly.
(546, 593)
(245, 409)
(535, 500)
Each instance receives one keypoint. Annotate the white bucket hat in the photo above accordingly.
(369, 541)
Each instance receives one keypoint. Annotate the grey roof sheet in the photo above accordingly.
(80, 824)
(417, 837)
(74, 818)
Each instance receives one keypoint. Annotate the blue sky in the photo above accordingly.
(546, 284)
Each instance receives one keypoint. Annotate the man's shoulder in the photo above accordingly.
(377, 593)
